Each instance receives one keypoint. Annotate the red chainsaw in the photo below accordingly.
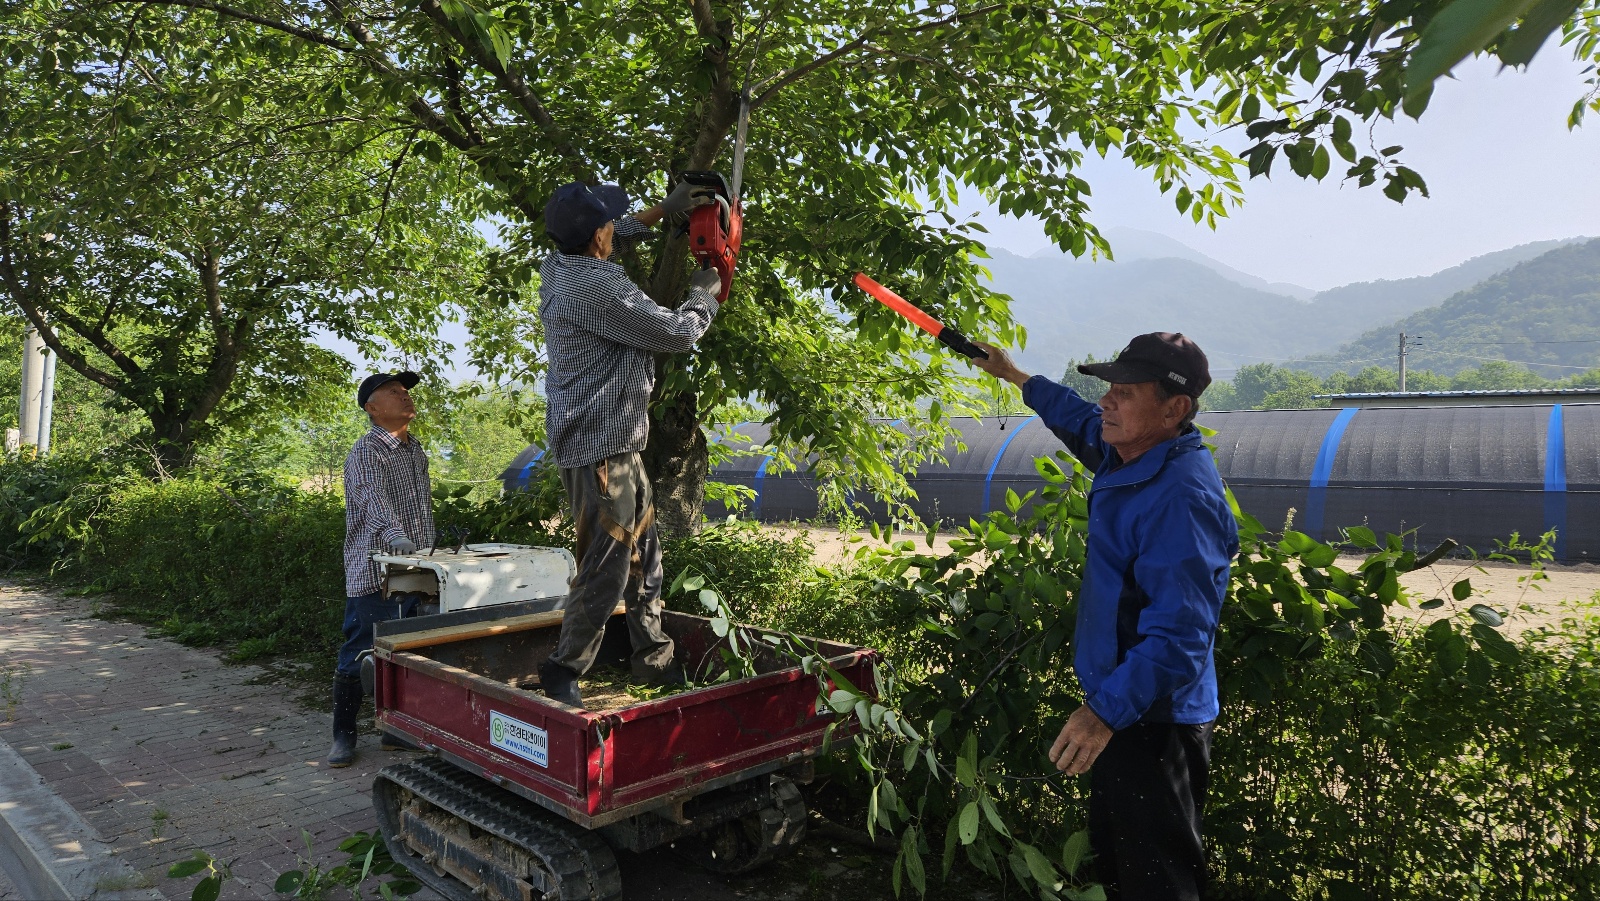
(716, 229)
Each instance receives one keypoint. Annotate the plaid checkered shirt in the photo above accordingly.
(602, 334)
(386, 498)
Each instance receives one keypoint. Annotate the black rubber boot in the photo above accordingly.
(671, 677)
(560, 683)
(393, 742)
(346, 706)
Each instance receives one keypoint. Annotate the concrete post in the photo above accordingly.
(33, 366)
(47, 401)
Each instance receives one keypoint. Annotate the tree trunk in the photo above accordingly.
(172, 442)
(676, 459)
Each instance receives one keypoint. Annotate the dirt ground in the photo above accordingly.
(1525, 602)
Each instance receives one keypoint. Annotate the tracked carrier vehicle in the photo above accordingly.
(517, 796)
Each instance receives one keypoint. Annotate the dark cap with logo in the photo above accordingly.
(378, 379)
(1157, 357)
(576, 211)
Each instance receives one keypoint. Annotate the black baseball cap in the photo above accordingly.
(378, 379)
(576, 211)
(1157, 357)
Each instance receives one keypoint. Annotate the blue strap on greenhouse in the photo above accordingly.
(761, 476)
(988, 480)
(1555, 480)
(523, 477)
(1316, 495)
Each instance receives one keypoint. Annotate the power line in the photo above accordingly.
(1576, 341)
(1520, 362)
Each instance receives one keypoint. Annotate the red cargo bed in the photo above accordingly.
(453, 690)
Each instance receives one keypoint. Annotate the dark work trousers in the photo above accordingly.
(360, 614)
(1147, 791)
(619, 561)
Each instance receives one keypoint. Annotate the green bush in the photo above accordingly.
(1362, 752)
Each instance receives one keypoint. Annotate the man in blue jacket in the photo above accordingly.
(1161, 538)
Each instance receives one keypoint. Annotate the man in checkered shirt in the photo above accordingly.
(602, 334)
(388, 507)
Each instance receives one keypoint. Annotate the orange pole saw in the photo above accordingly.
(947, 336)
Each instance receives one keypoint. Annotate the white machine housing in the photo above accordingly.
(479, 575)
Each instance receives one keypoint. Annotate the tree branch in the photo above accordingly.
(305, 34)
(454, 94)
(378, 60)
(388, 192)
(512, 84)
(775, 83)
(32, 310)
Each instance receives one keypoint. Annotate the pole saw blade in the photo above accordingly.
(947, 336)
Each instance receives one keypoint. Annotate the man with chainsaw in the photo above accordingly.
(602, 334)
(1161, 540)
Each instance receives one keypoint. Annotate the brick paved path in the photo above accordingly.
(165, 750)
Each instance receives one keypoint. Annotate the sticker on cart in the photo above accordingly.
(524, 740)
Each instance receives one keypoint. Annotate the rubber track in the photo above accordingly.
(579, 860)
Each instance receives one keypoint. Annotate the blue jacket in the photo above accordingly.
(1161, 538)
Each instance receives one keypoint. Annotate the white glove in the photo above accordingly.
(402, 547)
(707, 280)
(686, 197)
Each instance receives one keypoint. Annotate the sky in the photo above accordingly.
(1502, 169)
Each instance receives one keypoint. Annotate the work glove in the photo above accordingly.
(707, 280)
(686, 197)
(402, 546)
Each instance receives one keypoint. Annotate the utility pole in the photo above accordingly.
(1406, 343)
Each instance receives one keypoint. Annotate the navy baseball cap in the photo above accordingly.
(1157, 357)
(378, 379)
(576, 211)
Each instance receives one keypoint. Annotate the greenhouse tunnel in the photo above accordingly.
(1474, 474)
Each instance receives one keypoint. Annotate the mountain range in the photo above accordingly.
(1543, 313)
(1073, 307)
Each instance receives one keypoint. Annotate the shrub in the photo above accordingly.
(1360, 753)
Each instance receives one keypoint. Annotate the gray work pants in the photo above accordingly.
(619, 560)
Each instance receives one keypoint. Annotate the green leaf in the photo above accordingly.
(1463, 590)
(694, 583)
(969, 823)
(1320, 556)
(186, 868)
(992, 814)
(1495, 645)
(1361, 535)
(1075, 851)
(913, 860)
(1487, 615)
(1461, 28)
(964, 772)
(1432, 604)
(1546, 16)
(1039, 866)
(1320, 162)
(288, 883)
(209, 889)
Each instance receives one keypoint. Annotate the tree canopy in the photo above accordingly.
(180, 225)
(867, 121)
